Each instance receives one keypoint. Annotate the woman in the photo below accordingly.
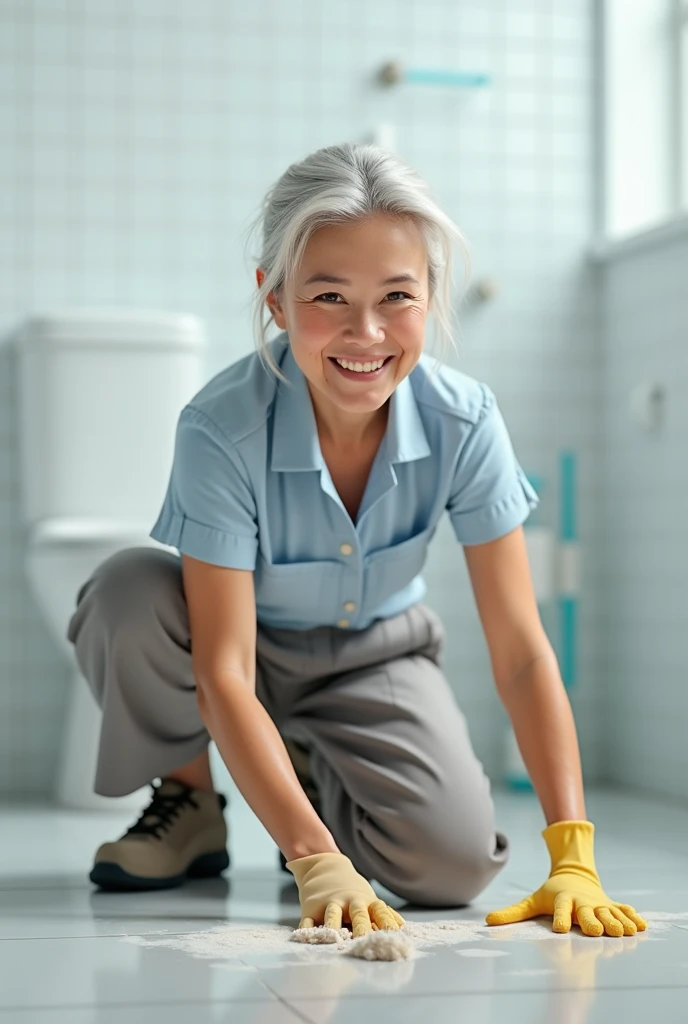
(307, 481)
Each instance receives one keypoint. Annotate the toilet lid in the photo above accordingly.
(80, 531)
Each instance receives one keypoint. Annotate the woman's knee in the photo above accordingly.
(127, 583)
(121, 610)
(448, 874)
(121, 600)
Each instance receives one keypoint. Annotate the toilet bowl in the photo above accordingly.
(100, 394)
(60, 555)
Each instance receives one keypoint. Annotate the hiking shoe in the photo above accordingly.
(181, 834)
(301, 759)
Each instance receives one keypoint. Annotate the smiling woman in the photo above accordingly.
(354, 346)
(345, 185)
(302, 501)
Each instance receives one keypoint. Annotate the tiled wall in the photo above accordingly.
(644, 603)
(142, 137)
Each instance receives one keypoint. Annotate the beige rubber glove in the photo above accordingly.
(331, 890)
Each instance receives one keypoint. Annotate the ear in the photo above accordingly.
(273, 302)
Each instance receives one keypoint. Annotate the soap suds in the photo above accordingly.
(231, 941)
(227, 940)
(444, 933)
(382, 945)
(321, 935)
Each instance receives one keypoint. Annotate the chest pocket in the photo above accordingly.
(391, 569)
(296, 591)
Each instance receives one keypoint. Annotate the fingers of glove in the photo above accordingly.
(307, 922)
(333, 916)
(383, 916)
(589, 924)
(638, 921)
(521, 911)
(398, 918)
(611, 925)
(629, 927)
(360, 919)
(563, 909)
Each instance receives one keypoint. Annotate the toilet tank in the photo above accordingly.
(100, 392)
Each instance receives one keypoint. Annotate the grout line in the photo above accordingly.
(281, 999)
(100, 935)
(491, 993)
(297, 1013)
(52, 1007)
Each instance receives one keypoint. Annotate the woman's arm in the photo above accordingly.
(538, 706)
(222, 619)
(526, 673)
(257, 760)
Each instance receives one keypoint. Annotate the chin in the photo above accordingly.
(363, 407)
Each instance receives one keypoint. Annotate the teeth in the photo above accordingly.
(361, 367)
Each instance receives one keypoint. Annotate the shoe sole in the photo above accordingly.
(108, 875)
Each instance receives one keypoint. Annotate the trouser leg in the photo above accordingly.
(400, 786)
(130, 633)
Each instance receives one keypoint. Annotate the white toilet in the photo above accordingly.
(100, 392)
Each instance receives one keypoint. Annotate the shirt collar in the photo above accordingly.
(295, 443)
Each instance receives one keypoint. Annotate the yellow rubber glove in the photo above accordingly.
(330, 889)
(573, 892)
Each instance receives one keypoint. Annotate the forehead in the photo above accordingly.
(387, 246)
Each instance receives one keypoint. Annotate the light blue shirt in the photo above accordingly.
(249, 489)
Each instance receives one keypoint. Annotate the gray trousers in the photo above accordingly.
(399, 785)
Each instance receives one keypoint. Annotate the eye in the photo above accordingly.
(336, 295)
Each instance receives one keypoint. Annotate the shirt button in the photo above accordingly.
(343, 623)
(350, 606)
(345, 549)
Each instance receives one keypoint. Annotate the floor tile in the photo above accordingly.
(491, 965)
(78, 912)
(543, 1007)
(69, 951)
(106, 972)
(197, 1013)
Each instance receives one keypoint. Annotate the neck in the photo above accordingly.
(344, 431)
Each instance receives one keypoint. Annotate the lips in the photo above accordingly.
(362, 359)
(361, 375)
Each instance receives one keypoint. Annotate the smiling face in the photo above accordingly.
(360, 319)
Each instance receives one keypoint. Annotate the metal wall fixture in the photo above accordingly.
(394, 72)
(483, 290)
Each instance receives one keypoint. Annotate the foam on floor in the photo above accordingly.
(319, 935)
(382, 945)
(376, 945)
(230, 940)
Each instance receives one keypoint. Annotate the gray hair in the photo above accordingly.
(342, 183)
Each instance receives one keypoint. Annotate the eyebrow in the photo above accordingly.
(330, 279)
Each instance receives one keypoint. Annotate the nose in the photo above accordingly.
(364, 328)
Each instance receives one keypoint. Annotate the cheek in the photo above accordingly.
(314, 327)
(308, 345)
(413, 318)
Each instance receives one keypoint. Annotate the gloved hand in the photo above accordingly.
(330, 889)
(573, 892)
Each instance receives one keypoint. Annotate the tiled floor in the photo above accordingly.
(69, 953)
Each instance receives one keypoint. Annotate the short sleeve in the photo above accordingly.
(490, 493)
(209, 510)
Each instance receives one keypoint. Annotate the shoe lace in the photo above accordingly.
(163, 807)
